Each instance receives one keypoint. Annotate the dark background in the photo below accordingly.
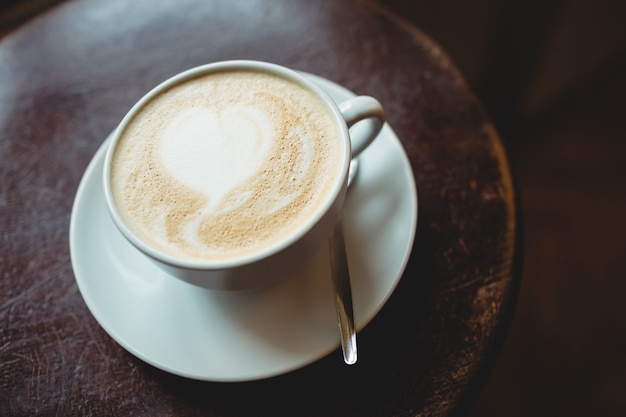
(552, 75)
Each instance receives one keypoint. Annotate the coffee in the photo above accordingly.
(225, 164)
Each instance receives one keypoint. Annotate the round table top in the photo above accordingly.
(66, 80)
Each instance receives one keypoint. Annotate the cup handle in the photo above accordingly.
(366, 109)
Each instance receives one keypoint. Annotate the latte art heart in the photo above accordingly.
(214, 152)
(225, 165)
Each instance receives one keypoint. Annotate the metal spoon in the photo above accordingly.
(341, 284)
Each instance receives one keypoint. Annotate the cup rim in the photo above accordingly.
(339, 184)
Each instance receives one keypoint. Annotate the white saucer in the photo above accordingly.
(223, 336)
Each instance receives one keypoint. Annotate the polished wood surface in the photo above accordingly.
(68, 77)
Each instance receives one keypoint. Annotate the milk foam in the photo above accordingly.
(230, 146)
(225, 165)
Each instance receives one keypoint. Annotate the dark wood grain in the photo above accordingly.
(68, 77)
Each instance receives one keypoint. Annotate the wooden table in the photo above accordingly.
(68, 77)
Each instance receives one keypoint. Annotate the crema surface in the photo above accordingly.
(225, 165)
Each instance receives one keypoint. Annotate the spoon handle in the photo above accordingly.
(343, 293)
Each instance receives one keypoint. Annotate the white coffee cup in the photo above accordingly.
(160, 191)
